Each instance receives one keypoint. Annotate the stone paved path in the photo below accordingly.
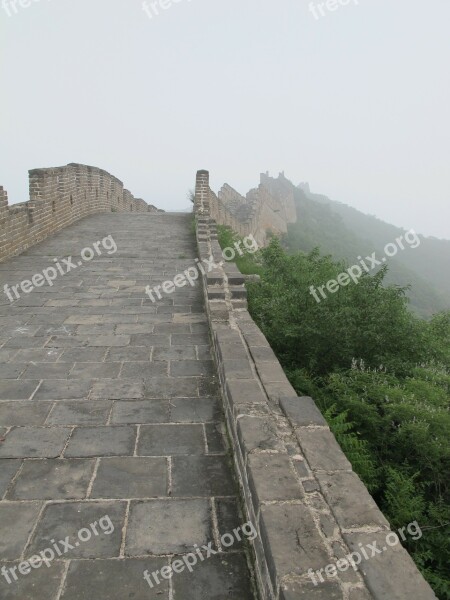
(110, 423)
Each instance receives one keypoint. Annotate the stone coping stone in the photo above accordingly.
(271, 479)
(321, 449)
(308, 591)
(291, 541)
(302, 411)
(258, 433)
(391, 574)
(351, 503)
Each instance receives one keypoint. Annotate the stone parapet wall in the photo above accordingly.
(223, 215)
(232, 199)
(310, 509)
(58, 197)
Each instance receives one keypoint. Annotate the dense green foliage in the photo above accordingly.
(380, 375)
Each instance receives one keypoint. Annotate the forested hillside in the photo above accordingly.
(346, 233)
(379, 373)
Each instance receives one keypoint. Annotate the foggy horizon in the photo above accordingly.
(352, 102)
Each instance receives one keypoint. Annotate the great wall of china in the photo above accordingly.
(148, 367)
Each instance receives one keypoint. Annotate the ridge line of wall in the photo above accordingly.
(269, 207)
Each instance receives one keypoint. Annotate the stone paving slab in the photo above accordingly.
(8, 468)
(17, 520)
(39, 584)
(114, 580)
(218, 578)
(34, 442)
(24, 413)
(48, 479)
(201, 476)
(60, 520)
(110, 413)
(102, 441)
(78, 412)
(133, 477)
(171, 440)
(169, 526)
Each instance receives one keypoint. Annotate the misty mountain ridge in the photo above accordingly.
(347, 233)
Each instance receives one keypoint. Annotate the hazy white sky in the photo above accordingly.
(356, 102)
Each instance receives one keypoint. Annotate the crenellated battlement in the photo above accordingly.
(60, 196)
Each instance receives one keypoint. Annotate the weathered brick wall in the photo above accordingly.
(269, 207)
(58, 197)
(309, 508)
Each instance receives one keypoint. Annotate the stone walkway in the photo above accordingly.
(113, 457)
